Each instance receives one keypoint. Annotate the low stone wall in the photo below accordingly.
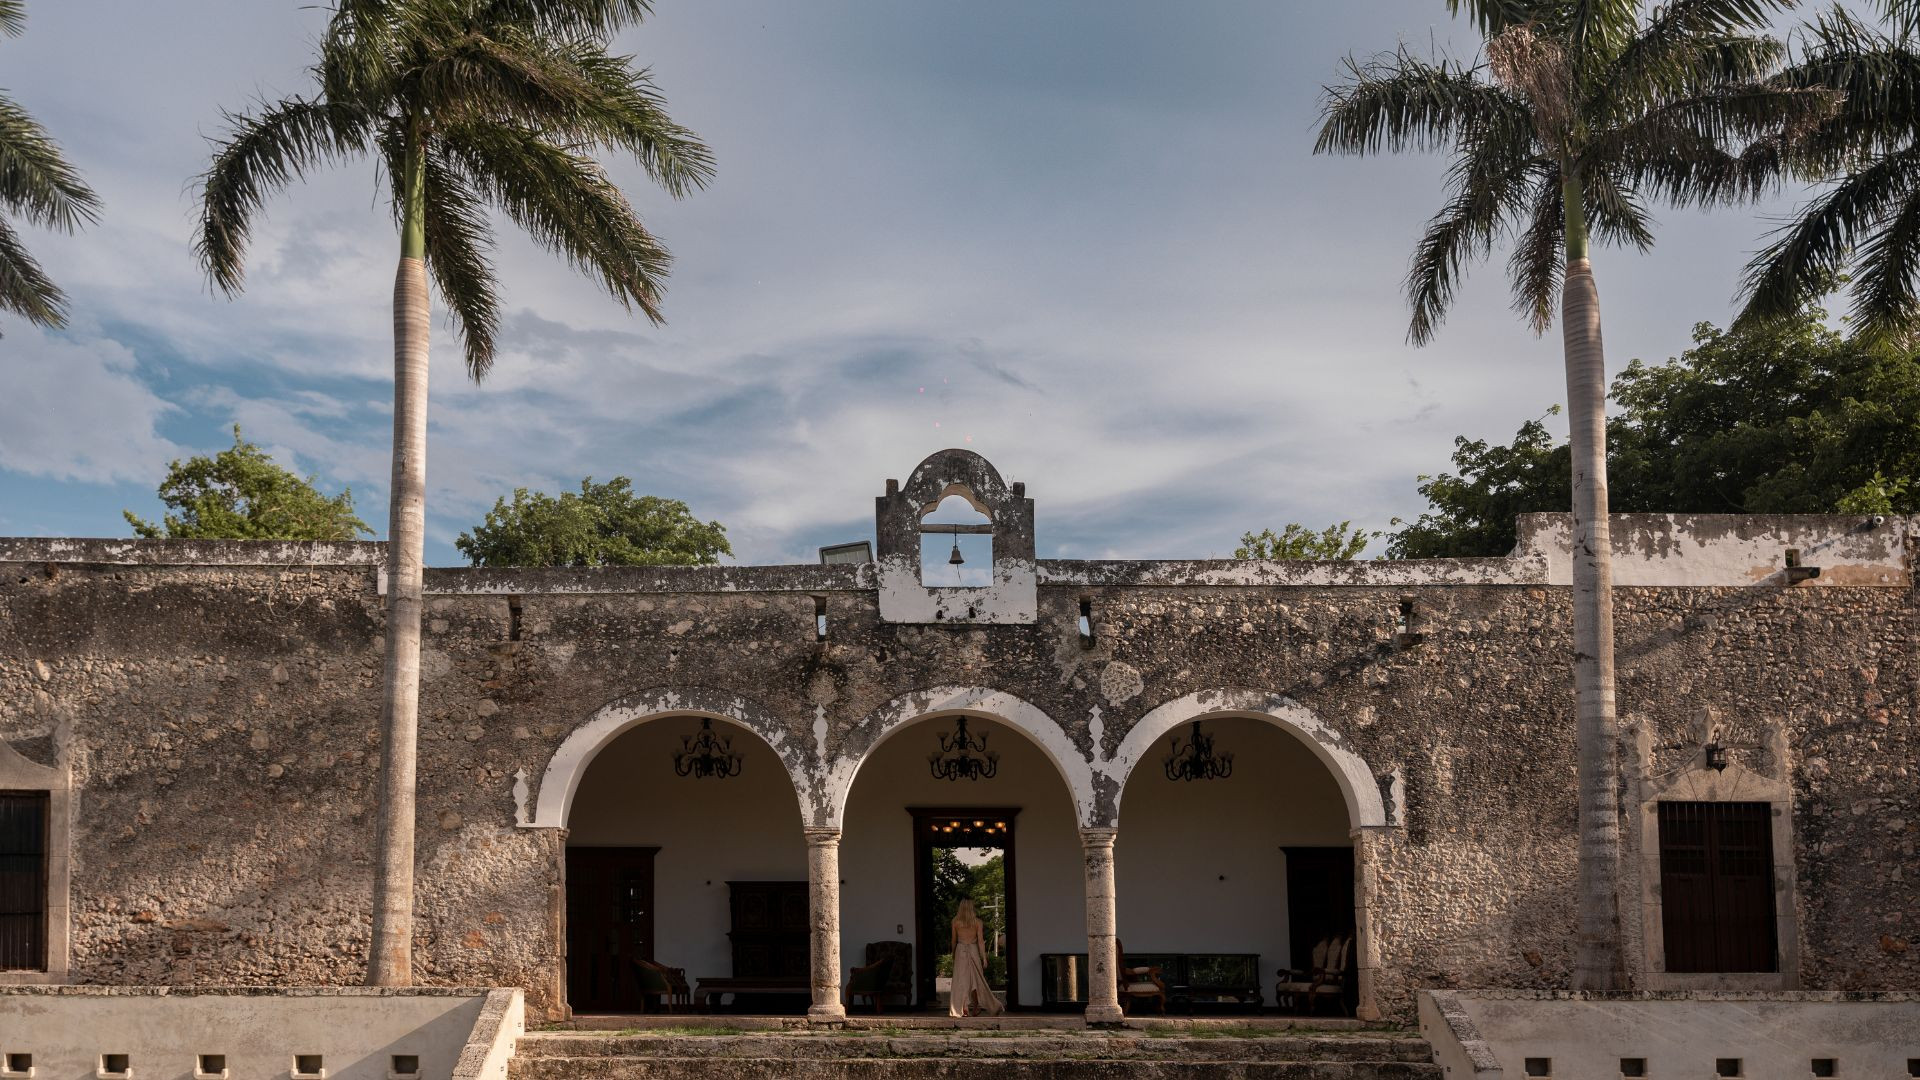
(246, 1032)
(1773, 1036)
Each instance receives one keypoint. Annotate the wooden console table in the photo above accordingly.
(706, 990)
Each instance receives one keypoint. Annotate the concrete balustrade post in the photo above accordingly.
(1103, 987)
(823, 920)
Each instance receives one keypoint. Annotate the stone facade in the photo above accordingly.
(214, 707)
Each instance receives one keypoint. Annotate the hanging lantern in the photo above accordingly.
(1197, 760)
(706, 754)
(962, 756)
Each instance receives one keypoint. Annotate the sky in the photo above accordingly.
(1085, 238)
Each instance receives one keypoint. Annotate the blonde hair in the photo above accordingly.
(965, 915)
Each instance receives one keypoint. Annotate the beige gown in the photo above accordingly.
(970, 973)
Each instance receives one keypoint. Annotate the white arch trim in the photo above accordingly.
(994, 705)
(576, 753)
(1365, 807)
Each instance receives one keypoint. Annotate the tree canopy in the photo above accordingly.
(241, 493)
(1783, 418)
(601, 525)
(1296, 541)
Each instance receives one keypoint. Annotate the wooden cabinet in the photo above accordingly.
(609, 925)
(769, 934)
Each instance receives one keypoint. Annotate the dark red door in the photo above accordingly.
(1716, 886)
(609, 924)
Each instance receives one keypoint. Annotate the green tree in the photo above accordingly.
(467, 106)
(1582, 114)
(1783, 417)
(603, 525)
(242, 494)
(1296, 541)
(38, 186)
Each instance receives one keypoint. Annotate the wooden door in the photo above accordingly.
(1716, 886)
(609, 925)
(951, 827)
(23, 880)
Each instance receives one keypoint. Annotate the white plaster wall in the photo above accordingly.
(163, 1032)
(1178, 839)
(709, 832)
(876, 845)
(1776, 1036)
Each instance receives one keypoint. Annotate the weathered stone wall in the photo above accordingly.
(220, 722)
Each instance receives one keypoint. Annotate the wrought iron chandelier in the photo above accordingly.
(962, 756)
(706, 754)
(1197, 761)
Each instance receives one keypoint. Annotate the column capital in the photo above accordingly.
(820, 835)
(1099, 836)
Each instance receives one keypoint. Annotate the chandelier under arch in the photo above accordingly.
(1197, 759)
(706, 755)
(963, 756)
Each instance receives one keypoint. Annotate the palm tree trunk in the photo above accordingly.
(1597, 965)
(391, 959)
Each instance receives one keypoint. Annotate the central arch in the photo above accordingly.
(1006, 836)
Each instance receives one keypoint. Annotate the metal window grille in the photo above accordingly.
(23, 880)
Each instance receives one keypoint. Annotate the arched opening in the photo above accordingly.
(956, 543)
(1234, 862)
(686, 863)
(935, 814)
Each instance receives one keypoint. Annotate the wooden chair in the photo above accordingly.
(1301, 988)
(870, 982)
(1140, 982)
(669, 984)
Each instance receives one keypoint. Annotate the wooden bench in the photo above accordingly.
(707, 990)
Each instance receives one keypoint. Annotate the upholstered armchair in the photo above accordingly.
(1139, 982)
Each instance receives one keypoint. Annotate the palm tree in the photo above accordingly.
(1582, 113)
(1865, 223)
(37, 184)
(468, 106)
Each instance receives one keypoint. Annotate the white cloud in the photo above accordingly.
(73, 407)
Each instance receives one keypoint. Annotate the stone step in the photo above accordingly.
(1036, 1046)
(973, 1068)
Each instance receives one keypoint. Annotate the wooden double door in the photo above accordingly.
(1716, 887)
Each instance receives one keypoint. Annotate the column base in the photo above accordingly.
(1105, 1015)
(827, 1014)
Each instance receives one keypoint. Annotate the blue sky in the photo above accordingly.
(1085, 238)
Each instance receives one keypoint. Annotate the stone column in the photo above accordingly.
(1366, 959)
(823, 917)
(1103, 990)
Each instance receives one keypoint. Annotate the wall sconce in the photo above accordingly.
(1406, 636)
(1716, 753)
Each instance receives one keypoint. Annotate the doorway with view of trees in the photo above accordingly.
(964, 854)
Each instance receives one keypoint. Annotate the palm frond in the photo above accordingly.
(1616, 214)
(262, 154)
(1685, 40)
(459, 239)
(13, 17)
(1536, 265)
(1401, 102)
(25, 289)
(1723, 145)
(36, 181)
(1879, 77)
(1489, 185)
(1596, 31)
(1885, 305)
(595, 17)
(1808, 255)
(631, 115)
(566, 202)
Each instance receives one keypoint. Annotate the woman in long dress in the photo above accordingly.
(971, 996)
